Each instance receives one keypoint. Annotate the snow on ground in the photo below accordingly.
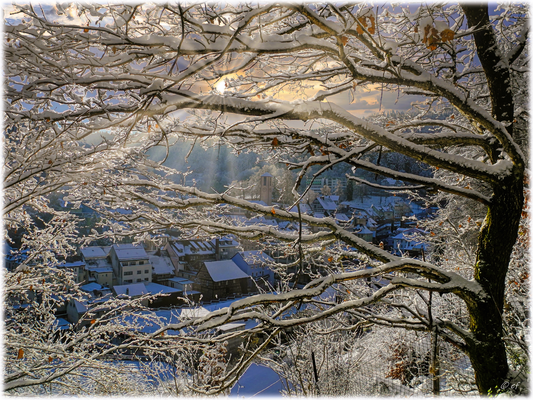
(258, 380)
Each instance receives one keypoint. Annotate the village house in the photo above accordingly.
(221, 279)
(187, 255)
(76, 267)
(324, 204)
(132, 290)
(130, 263)
(256, 264)
(162, 267)
(404, 242)
(363, 232)
(98, 266)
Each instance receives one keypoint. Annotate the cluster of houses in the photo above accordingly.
(184, 270)
(379, 218)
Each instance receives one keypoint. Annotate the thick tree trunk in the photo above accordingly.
(500, 228)
(497, 237)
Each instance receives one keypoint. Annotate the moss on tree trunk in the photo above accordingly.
(496, 240)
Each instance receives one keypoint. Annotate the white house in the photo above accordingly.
(131, 264)
(98, 267)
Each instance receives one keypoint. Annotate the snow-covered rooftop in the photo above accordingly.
(93, 252)
(161, 265)
(99, 266)
(71, 264)
(61, 324)
(91, 286)
(180, 280)
(155, 288)
(80, 307)
(130, 252)
(327, 204)
(342, 217)
(134, 289)
(304, 208)
(362, 230)
(225, 241)
(224, 270)
(190, 313)
(188, 247)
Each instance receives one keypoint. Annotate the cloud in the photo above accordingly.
(362, 105)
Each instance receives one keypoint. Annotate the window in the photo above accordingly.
(139, 272)
(139, 280)
(141, 262)
(128, 273)
(145, 271)
(128, 281)
(145, 279)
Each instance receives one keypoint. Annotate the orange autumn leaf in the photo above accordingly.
(273, 211)
(447, 35)
(344, 40)
(362, 21)
(20, 354)
(330, 259)
(93, 321)
(50, 359)
(432, 233)
(275, 142)
(86, 30)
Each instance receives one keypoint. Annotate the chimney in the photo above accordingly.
(217, 249)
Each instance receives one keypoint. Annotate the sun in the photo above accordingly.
(220, 86)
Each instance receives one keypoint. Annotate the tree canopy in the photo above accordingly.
(90, 89)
